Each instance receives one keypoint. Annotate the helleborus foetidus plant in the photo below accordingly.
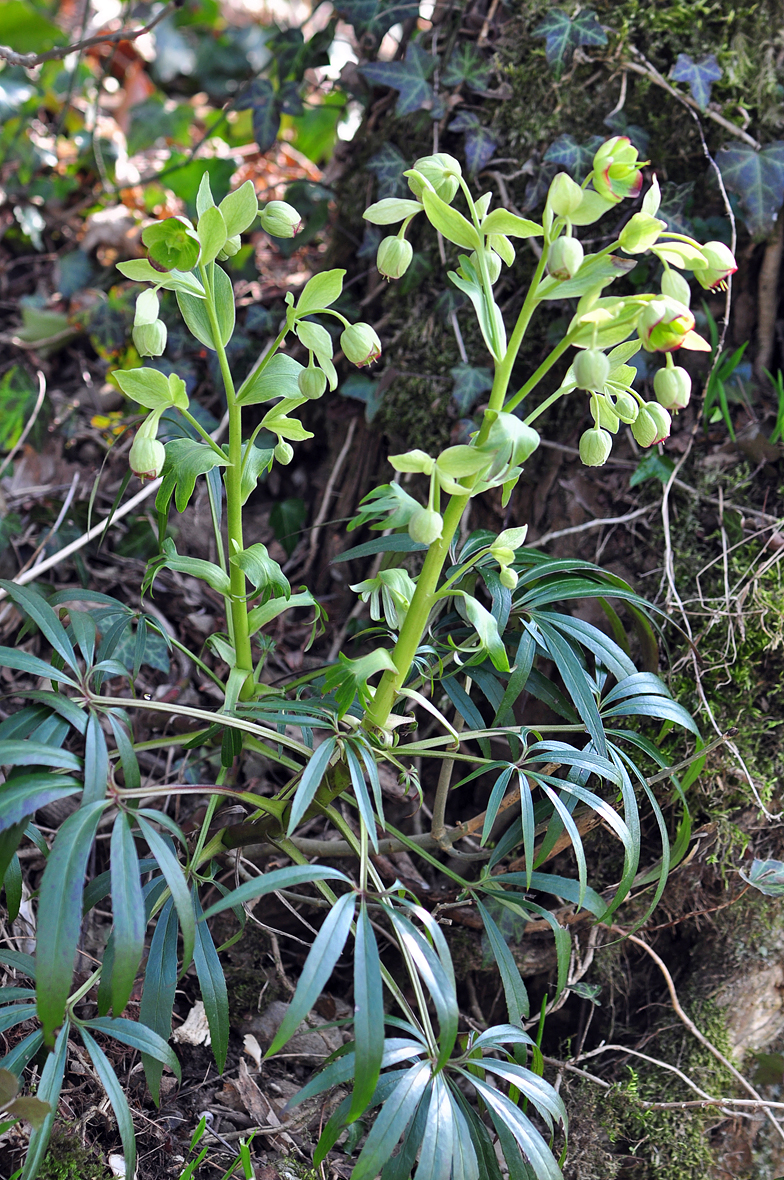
(468, 629)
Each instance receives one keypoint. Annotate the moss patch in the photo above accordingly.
(66, 1159)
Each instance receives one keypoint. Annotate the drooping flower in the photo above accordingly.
(280, 219)
(360, 344)
(720, 265)
(664, 324)
(616, 171)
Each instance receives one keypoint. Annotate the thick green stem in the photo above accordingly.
(236, 605)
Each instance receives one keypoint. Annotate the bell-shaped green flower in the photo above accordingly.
(591, 369)
(595, 447)
(150, 339)
(565, 195)
(280, 219)
(441, 170)
(565, 258)
(425, 526)
(360, 344)
(672, 386)
(147, 455)
(664, 324)
(720, 265)
(661, 419)
(312, 382)
(616, 170)
(492, 262)
(626, 407)
(640, 233)
(394, 257)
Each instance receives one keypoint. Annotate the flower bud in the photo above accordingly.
(284, 452)
(664, 324)
(231, 247)
(146, 311)
(565, 195)
(640, 233)
(673, 388)
(662, 421)
(675, 286)
(492, 262)
(503, 554)
(508, 578)
(626, 407)
(442, 170)
(394, 257)
(616, 173)
(565, 258)
(720, 265)
(591, 369)
(425, 526)
(280, 219)
(604, 415)
(360, 344)
(312, 382)
(595, 447)
(150, 339)
(645, 427)
(147, 456)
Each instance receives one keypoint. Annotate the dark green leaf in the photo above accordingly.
(138, 1036)
(12, 883)
(466, 64)
(60, 913)
(514, 989)
(408, 77)
(128, 907)
(28, 753)
(757, 177)
(160, 982)
(310, 782)
(573, 157)
(319, 965)
(22, 662)
(700, 76)
(388, 165)
(286, 520)
(505, 1114)
(24, 794)
(395, 1115)
(563, 35)
(368, 1015)
(45, 619)
(767, 876)
(652, 466)
(175, 879)
(128, 759)
(18, 961)
(260, 99)
(268, 883)
(470, 383)
(212, 983)
(116, 1095)
(397, 543)
(22, 1054)
(48, 1091)
(96, 761)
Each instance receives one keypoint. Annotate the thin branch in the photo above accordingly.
(589, 524)
(30, 60)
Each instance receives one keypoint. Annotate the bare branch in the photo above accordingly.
(29, 60)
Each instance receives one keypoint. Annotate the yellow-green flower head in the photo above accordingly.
(672, 388)
(312, 382)
(664, 324)
(595, 447)
(360, 344)
(442, 170)
(284, 452)
(640, 233)
(720, 265)
(394, 257)
(616, 170)
(626, 407)
(565, 258)
(280, 219)
(652, 424)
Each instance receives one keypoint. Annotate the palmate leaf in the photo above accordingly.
(60, 913)
(435, 978)
(563, 35)
(700, 76)
(508, 1118)
(388, 166)
(435, 1157)
(757, 177)
(573, 157)
(408, 77)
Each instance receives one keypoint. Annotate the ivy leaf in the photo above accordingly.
(563, 35)
(767, 876)
(573, 157)
(470, 383)
(700, 76)
(467, 65)
(408, 77)
(758, 179)
(260, 99)
(652, 467)
(480, 143)
(389, 164)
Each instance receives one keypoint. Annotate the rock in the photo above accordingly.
(755, 1008)
(312, 1042)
